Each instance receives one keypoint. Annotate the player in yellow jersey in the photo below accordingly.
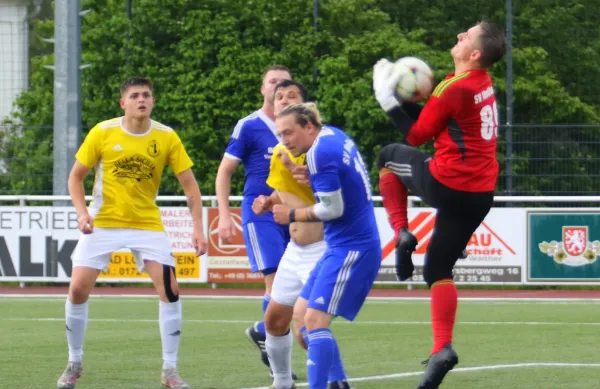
(129, 155)
(305, 248)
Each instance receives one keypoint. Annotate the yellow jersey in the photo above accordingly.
(280, 178)
(128, 170)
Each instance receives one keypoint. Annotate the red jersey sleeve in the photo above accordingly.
(434, 117)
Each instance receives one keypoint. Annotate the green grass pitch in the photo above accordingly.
(501, 344)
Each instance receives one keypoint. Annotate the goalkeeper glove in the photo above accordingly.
(385, 79)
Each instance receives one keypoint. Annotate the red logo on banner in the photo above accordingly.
(228, 262)
(218, 248)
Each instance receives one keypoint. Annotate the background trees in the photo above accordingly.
(206, 60)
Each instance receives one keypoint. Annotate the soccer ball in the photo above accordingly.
(416, 82)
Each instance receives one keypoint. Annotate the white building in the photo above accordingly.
(14, 57)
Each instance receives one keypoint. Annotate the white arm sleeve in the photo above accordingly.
(331, 205)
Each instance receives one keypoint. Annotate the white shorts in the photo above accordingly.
(94, 250)
(293, 271)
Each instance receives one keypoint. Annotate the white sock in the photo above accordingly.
(77, 316)
(279, 349)
(169, 318)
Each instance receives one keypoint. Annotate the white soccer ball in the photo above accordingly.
(416, 82)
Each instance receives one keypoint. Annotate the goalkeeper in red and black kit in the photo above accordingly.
(458, 180)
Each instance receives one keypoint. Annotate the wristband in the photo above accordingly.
(292, 215)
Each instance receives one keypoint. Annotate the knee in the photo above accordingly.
(298, 318)
(79, 292)
(315, 319)
(383, 156)
(432, 274)
(386, 154)
(275, 325)
(170, 287)
(82, 282)
(299, 335)
(277, 321)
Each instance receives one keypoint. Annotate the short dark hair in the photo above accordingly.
(135, 81)
(288, 83)
(492, 44)
(276, 67)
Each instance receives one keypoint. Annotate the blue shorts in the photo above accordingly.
(341, 280)
(265, 243)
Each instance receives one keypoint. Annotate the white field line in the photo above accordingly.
(358, 322)
(458, 370)
(202, 300)
(228, 297)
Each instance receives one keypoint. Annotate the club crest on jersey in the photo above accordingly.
(136, 168)
(153, 149)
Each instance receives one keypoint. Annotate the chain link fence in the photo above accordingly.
(548, 160)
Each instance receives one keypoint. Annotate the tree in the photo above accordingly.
(206, 60)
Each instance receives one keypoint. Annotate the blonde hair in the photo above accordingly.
(304, 113)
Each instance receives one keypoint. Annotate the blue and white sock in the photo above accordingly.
(304, 333)
(320, 357)
(260, 327)
(336, 372)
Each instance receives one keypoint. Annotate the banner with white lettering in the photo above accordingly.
(496, 250)
(36, 244)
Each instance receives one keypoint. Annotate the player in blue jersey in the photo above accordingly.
(306, 247)
(251, 144)
(341, 280)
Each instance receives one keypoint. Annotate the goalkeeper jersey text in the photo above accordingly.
(462, 116)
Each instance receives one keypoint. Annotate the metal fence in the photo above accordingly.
(551, 160)
(545, 161)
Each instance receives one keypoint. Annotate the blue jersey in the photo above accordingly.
(252, 143)
(335, 164)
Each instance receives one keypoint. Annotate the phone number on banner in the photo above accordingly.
(123, 265)
(472, 274)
